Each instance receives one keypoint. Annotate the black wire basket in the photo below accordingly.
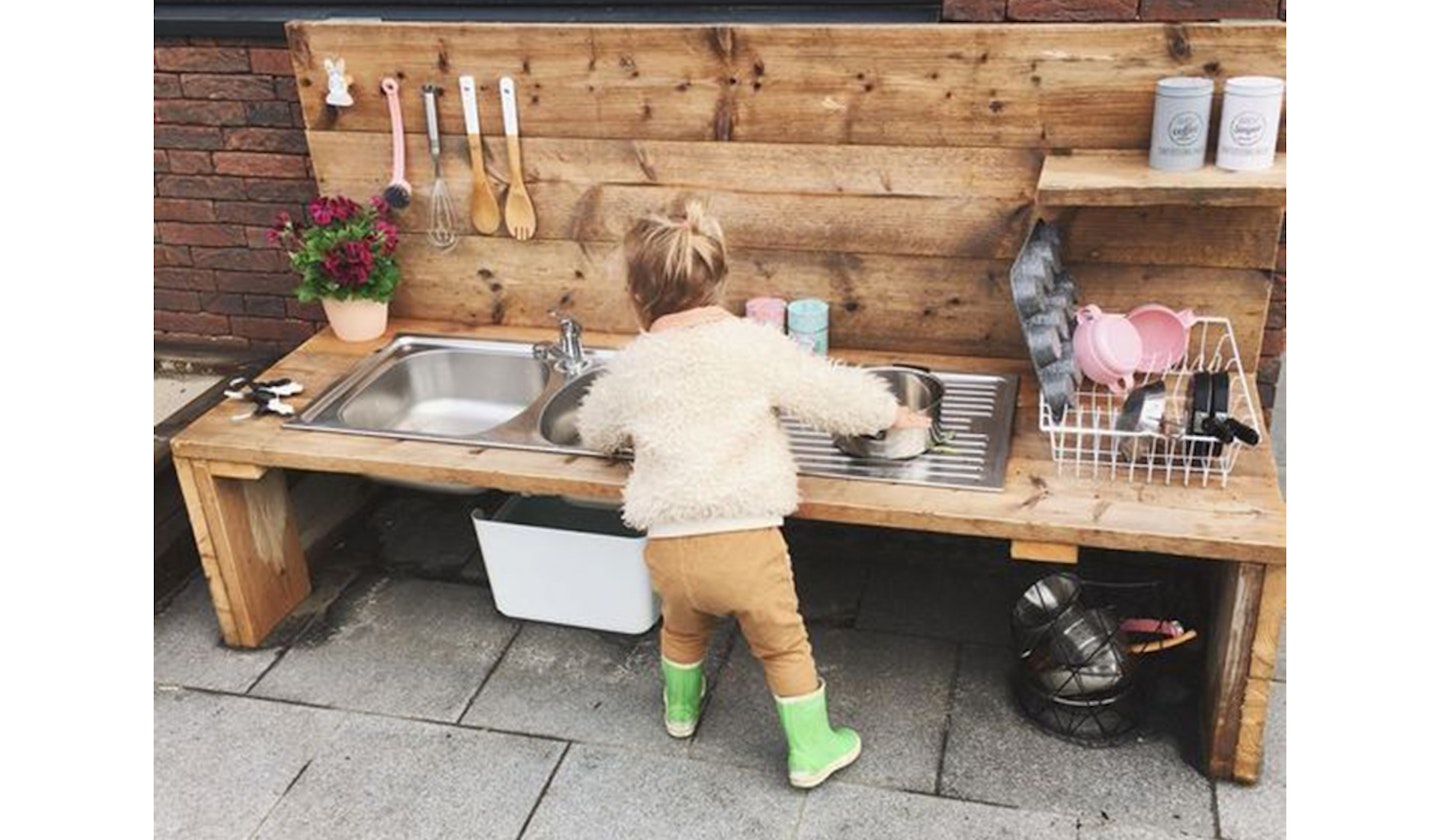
(1082, 653)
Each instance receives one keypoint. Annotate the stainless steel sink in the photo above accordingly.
(511, 396)
(488, 393)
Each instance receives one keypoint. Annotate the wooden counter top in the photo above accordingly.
(1244, 520)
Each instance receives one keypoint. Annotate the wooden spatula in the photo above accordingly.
(484, 210)
(519, 212)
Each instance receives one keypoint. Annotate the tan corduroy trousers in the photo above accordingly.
(742, 573)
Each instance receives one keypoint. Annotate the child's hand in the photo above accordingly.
(908, 418)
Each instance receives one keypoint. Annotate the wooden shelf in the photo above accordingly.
(1125, 179)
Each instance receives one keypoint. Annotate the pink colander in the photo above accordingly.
(1164, 335)
(1107, 348)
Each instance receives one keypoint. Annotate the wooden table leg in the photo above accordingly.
(249, 547)
(1243, 645)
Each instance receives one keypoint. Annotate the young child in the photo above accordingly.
(696, 397)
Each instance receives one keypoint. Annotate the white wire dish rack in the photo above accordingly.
(1085, 442)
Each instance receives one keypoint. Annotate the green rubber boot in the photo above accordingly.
(816, 750)
(684, 689)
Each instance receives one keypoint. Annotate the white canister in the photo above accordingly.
(1181, 127)
(1249, 123)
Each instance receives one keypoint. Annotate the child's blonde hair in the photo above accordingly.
(674, 263)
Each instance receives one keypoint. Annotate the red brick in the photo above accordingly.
(297, 114)
(239, 259)
(162, 162)
(257, 283)
(1275, 316)
(191, 163)
(208, 341)
(171, 254)
(262, 164)
(256, 212)
(265, 306)
(185, 278)
(1187, 10)
(199, 112)
(1280, 258)
(219, 236)
(200, 323)
(167, 86)
(1269, 370)
(286, 90)
(174, 300)
(973, 11)
(257, 238)
(1063, 10)
(207, 86)
(270, 113)
(1267, 399)
(291, 140)
(304, 311)
(200, 186)
(205, 59)
(184, 210)
(1273, 344)
(272, 330)
(288, 191)
(187, 137)
(276, 62)
(223, 303)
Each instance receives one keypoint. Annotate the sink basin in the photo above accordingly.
(445, 391)
(453, 390)
(557, 419)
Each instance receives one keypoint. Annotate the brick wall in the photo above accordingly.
(229, 154)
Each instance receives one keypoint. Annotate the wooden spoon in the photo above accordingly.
(519, 212)
(484, 210)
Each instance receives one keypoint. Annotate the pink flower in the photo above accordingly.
(279, 230)
(382, 207)
(350, 263)
(343, 208)
(320, 211)
(389, 236)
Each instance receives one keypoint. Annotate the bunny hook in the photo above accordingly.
(339, 84)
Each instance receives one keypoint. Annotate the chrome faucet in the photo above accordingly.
(568, 354)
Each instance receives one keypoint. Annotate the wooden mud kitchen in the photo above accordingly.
(893, 171)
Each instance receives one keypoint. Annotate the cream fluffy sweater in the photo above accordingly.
(696, 398)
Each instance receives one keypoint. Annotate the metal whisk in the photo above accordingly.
(442, 212)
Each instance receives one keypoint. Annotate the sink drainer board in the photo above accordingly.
(975, 415)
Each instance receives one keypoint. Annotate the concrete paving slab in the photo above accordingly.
(995, 755)
(189, 651)
(838, 811)
(380, 777)
(1257, 812)
(605, 793)
(893, 690)
(221, 763)
(406, 647)
(428, 535)
(583, 685)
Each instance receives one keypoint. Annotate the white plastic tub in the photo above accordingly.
(549, 560)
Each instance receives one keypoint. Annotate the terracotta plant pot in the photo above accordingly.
(356, 320)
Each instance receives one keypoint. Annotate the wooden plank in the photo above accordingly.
(1250, 737)
(1223, 237)
(911, 171)
(205, 547)
(1250, 733)
(904, 304)
(1228, 665)
(1244, 520)
(1041, 552)
(1064, 86)
(1125, 179)
(256, 551)
(243, 472)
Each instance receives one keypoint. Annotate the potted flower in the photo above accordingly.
(346, 260)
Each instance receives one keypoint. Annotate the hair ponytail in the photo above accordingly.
(675, 262)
